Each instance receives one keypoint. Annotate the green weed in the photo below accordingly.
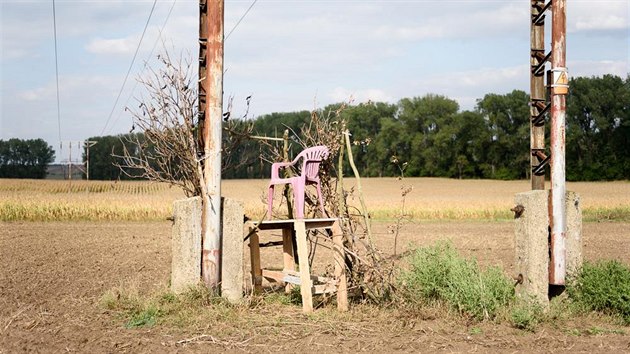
(145, 318)
(438, 273)
(603, 286)
(526, 314)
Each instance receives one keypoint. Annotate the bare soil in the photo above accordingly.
(53, 275)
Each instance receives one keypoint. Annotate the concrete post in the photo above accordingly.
(574, 233)
(232, 246)
(186, 244)
(187, 250)
(532, 245)
(532, 241)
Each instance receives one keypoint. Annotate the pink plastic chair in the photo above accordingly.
(309, 174)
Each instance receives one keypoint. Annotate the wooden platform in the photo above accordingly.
(303, 278)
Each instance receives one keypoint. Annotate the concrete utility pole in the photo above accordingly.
(88, 144)
(210, 114)
(559, 90)
(539, 106)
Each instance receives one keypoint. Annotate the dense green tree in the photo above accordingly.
(430, 136)
(424, 118)
(507, 119)
(103, 163)
(598, 128)
(25, 158)
(364, 123)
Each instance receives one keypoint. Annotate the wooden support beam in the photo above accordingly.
(254, 251)
(287, 254)
(340, 267)
(305, 271)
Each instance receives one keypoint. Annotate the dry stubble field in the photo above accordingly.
(54, 274)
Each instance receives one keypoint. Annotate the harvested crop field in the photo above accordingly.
(56, 277)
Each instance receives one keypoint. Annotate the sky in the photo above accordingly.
(287, 54)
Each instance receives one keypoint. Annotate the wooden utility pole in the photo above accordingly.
(539, 105)
(210, 114)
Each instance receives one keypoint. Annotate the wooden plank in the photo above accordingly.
(320, 224)
(287, 254)
(314, 278)
(340, 268)
(324, 289)
(280, 277)
(254, 251)
(305, 273)
(288, 224)
(293, 277)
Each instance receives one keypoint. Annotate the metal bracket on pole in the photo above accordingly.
(541, 59)
(543, 159)
(539, 19)
(540, 108)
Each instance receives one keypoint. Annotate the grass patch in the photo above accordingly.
(145, 318)
(603, 286)
(526, 314)
(439, 274)
(606, 214)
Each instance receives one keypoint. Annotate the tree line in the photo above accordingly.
(430, 136)
(25, 158)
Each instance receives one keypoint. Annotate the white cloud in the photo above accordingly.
(606, 22)
(598, 68)
(35, 94)
(73, 86)
(341, 94)
(585, 16)
(112, 46)
(480, 78)
(448, 22)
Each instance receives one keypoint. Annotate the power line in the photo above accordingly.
(152, 50)
(240, 19)
(57, 70)
(145, 64)
(130, 67)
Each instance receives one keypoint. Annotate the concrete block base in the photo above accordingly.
(186, 244)
(532, 242)
(186, 247)
(232, 250)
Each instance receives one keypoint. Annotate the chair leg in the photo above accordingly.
(321, 199)
(298, 195)
(270, 202)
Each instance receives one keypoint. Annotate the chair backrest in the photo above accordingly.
(313, 156)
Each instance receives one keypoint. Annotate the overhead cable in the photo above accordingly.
(130, 67)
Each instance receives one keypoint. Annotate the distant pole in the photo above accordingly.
(88, 144)
(559, 90)
(70, 161)
(211, 106)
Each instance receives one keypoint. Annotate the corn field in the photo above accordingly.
(386, 198)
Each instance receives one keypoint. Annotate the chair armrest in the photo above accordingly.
(275, 168)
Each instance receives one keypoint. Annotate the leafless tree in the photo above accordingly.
(167, 147)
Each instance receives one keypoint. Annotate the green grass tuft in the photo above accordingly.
(603, 286)
(147, 317)
(439, 274)
(526, 314)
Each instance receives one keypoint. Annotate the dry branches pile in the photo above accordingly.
(370, 274)
(167, 148)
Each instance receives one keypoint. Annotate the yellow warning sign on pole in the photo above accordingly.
(560, 81)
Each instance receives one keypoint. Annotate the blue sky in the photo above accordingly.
(289, 55)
